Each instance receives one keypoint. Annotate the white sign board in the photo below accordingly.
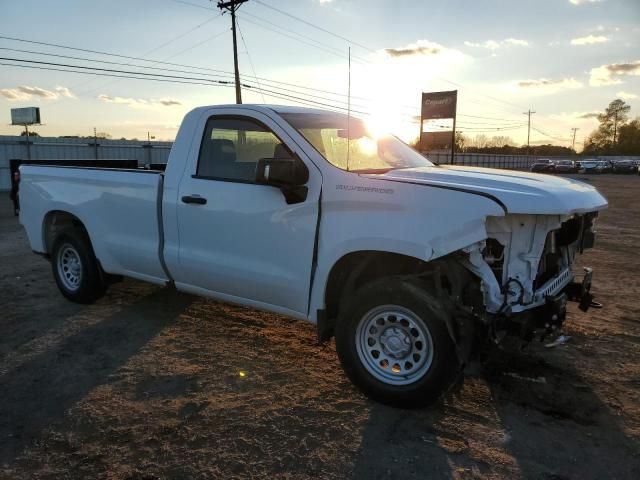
(25, 116)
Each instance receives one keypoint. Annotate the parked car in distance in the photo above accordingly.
(625, 166)
(565, 166)
(591, 165)
(543, 165)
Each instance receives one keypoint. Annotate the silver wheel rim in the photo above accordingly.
(69, 267)
(394, 345)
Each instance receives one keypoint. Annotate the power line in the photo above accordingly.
(313, 25)
(193, 67)
(251, 62)
(317, 27)
(50, 66)
(147, 67)
(352, 42)
(323, 46)
(192, 4)
(542, 132)
(319, 47)
(165, 78)
(221, 73)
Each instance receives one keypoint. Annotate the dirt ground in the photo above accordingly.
(151, 384)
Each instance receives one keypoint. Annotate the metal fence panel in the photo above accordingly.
(52, 148)
(5, 180)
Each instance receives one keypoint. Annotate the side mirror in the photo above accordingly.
(288, 174)
(281, 172)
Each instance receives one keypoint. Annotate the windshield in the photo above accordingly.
(333, 137)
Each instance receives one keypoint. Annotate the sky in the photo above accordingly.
(564, 59)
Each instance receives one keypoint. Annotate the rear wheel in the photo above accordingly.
(393, 344)
(75, 267)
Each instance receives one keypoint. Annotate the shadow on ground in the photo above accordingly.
(37, 394)
(533, 420)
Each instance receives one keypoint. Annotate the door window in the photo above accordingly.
(231, 148)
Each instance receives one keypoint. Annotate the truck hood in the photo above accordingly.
(518, 192)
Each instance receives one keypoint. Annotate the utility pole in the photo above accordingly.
(529, 113)
(26, 129)
(95, 142)
(232, 6)
(573, 143)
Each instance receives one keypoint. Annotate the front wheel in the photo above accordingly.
(393, 343)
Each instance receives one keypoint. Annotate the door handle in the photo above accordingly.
(196, 199)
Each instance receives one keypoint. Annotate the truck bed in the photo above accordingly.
(120, 207)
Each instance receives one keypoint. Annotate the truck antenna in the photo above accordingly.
(349, 112)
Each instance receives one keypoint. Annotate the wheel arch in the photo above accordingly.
(353, 269)
(56, 221)
(444, 278)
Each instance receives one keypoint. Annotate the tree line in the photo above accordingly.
(504, 145)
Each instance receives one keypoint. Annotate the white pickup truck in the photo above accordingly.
(414, 267)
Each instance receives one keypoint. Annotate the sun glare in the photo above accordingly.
(368, 145)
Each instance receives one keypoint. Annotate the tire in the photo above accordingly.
(399, 311)
(75, 267)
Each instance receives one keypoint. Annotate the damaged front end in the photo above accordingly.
(526, 274)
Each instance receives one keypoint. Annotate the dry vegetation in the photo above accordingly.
(152, 384)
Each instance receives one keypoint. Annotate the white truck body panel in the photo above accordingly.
(520, 192)
(117, 207)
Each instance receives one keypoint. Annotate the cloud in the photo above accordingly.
(139, 102)
(589, 40)
(626, 95)
(167, 102)
(544, 85)
(14, 95)
(582, 2)
(65, 92)
(517, 42)
(589, 115)
(421, 47)
(494, 45)
(489, 44)
(25, 92)
(608, 74)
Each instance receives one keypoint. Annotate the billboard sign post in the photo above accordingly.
(25, 117)
(436, 106)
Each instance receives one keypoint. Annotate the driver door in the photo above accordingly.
(239, 240)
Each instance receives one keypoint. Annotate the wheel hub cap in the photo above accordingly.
(395, 342)
(394, 345)
(69, 267)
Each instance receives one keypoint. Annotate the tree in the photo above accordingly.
(480, 141)
(461, 142)
(500, 141)
(31, 134)
(605, 138)
(629, 139)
